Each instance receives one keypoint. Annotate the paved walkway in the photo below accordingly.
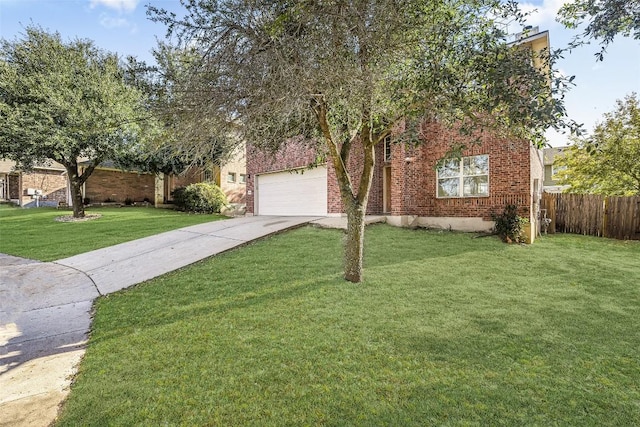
(45, 308)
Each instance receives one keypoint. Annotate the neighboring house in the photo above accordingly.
(407, 187)
(46, 185)
(231, 177)
(551, 170)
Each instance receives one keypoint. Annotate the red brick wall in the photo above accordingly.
(191, 176)
(119, 186)
(356, 160)
(414, 176)
(53, 184)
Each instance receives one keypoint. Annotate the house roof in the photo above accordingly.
(9, 166)
(111, 165)
(531, 36)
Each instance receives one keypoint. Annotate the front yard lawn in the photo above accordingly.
(447, 329)
(34, 233)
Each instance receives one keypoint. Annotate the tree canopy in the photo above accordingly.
(346, 74)
(67, 102)
(608, 161)
(604, 19)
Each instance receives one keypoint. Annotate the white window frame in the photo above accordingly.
(461, 176)
(387, 149)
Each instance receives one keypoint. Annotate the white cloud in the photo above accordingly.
(111, 22)
(543, 15)
(119, 5)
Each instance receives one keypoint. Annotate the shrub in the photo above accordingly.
(202, 197)
(509, 225)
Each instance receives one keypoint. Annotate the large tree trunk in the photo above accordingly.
(354, 244)
(77, 199)
(356, 207)
(354, 202)
(75, 182)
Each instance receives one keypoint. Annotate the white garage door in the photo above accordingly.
(291, 194)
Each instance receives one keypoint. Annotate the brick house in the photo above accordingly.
(407, 186)
(46, 185)
(108, 183)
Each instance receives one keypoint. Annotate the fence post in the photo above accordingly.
(605, 216)
(551, 212)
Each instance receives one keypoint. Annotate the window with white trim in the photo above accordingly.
(387, 149)
(465, 177)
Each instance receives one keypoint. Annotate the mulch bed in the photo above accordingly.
(70, 218)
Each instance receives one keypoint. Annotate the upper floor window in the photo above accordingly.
(556, 171)
(231, 177)
(243, 178)
(465, 177)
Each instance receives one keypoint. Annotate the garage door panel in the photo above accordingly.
(286, 193)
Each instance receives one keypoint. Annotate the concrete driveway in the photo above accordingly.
(45, 308)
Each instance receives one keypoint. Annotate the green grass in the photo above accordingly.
(446, 330)
(34, 233)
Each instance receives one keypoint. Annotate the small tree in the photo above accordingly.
(68, 102)
(608, 161)
(345, 74)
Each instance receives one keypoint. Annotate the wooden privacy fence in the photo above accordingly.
(595, 215)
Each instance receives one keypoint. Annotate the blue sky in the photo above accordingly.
(122, 26)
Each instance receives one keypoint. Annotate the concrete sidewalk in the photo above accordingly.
(45, 308)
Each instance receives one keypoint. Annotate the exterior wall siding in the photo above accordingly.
(355, 166)
(118, 186)
(414, 177)
(235, 191)
(53, 184)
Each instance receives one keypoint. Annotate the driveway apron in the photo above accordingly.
(45, 308)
